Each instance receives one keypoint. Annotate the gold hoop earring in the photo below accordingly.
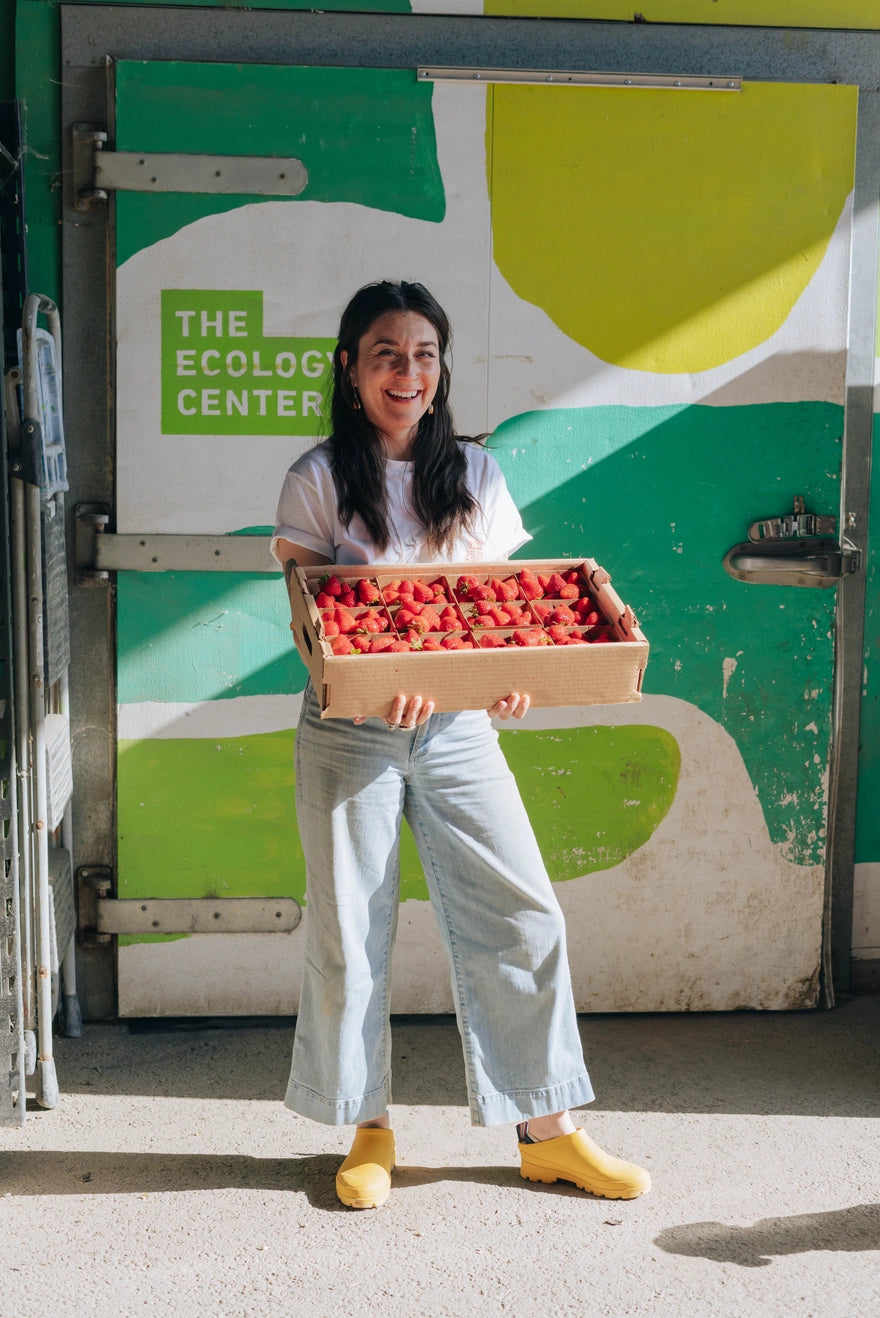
(357, 398)
(431, 409)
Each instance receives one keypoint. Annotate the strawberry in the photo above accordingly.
(423, 592)
(345, 621)
(369, 622)
(406, 588)
(367, 591)
(410, 616)
(529, 584)
(341, 645)
(331, 585)
(431, 618)
(464, 586)
(542, 610)
(504, 590)
(562, 613)
(323, 600)
(555, 585)
(530, 636)
(398, 646)
(347, 597)
(492, 641)
(378, 644)
(482, 592)
(330, 627)
(431, 643)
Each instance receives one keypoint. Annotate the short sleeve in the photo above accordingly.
(503, 529)
(306, 512)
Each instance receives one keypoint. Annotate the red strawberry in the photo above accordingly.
(529, 584)
(492, 641)
(380, 643)
(323, 600)
(367, 591)
(431, 643)
(422, 592)
(431, 618)
(331, 585)
(530, 637)
(482, 592)
(347, 597)
(330, 626)
(464, 586)
(341, 645)
(504, 590)
(555, 584)
(562, 613)
(542, 610)
(406, 588)
(345, 621)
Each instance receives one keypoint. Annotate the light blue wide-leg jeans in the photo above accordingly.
(494, 903)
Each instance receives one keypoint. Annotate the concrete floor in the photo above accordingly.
(170, 1180)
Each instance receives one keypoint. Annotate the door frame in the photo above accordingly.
(94, 35)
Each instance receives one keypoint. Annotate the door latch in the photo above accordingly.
(796, 549)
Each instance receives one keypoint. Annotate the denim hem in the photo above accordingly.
(520, 1104)
(344, 1112)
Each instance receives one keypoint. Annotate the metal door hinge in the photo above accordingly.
(100, 552)
(97, 172)
(204, 915)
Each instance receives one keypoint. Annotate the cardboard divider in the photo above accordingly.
(349, 685)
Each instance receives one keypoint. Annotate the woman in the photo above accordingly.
(393, 484)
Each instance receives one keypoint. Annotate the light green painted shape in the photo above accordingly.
(365, 136)
(221, 375)
(202, 818)
(594, 796)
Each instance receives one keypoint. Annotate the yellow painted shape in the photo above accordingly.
(737, 13)
(664, 230)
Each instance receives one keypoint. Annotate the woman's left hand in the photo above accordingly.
(512, 706)
(406, 713)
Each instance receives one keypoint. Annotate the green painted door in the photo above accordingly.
(648, 295)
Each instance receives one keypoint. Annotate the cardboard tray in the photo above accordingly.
(352, 685)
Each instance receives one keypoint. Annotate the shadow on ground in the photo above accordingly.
(853, 1229)
(775, 1063)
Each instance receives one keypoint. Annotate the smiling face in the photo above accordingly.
(396, 373)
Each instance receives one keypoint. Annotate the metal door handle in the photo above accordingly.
(815, 561)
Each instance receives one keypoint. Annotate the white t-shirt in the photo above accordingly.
(308, 516)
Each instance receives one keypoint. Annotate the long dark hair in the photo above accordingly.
(440, 497)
